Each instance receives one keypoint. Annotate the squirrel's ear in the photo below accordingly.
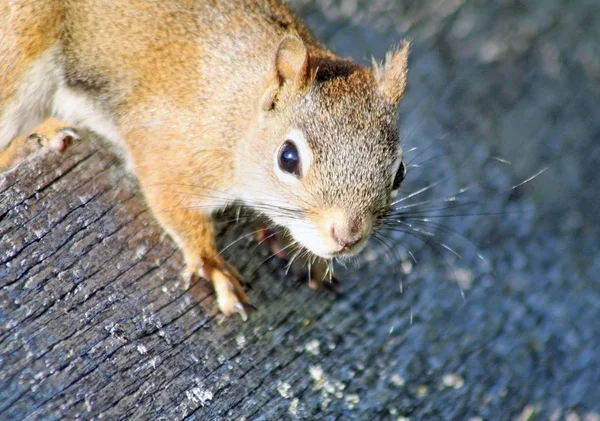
(291, 67)
(391, 75)
(291, 60)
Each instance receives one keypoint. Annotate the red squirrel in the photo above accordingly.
(210, 103)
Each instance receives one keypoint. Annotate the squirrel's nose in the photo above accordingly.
(347, 236)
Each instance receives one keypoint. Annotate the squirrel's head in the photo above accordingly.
(330, 160)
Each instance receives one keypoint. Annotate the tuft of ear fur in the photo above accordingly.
(391, 75)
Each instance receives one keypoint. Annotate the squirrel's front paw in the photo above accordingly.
(58, 140)
(227, 281)
(319, 272)
(51, 134)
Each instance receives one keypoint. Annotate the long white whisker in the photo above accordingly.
(540, 172)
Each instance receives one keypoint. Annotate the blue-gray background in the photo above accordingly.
(517, 80)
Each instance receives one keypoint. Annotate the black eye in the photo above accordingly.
(399, 176)
(289, 161)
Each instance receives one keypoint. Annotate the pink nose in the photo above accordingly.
(346, 237)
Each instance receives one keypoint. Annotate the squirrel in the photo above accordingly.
(211, 103)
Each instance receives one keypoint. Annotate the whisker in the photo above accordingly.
(424, 189)
(438, 140)
(268, 237)
(427, 238)
(384, 241)
(452, 198)
(540, 172)
(412, 256)
(380, 241)
(408, 137)
(238, 240)
(502, 160)
(291, 262)
(441, 227)
(292, 244)
(453, 215)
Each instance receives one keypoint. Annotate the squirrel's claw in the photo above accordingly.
(241, 309)
(230, 298)
(59, 140)
(226, 281)
(332, 285)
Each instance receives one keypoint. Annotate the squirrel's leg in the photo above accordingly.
(53, 133)
(194, 234)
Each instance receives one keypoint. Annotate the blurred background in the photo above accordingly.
(497, 92)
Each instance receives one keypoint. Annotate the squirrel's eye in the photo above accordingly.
(399, 176)
(289, 161)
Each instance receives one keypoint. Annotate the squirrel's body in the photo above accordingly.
(104, 64)
(198, 96)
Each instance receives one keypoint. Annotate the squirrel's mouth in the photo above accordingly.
(341, 253)
(349, 251)
(332, 235)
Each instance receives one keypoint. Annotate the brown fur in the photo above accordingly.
(16, 152)
(202, 94)
(24, 37)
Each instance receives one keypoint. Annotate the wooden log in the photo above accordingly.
(95, 322)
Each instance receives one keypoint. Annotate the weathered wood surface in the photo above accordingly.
(93, 323)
